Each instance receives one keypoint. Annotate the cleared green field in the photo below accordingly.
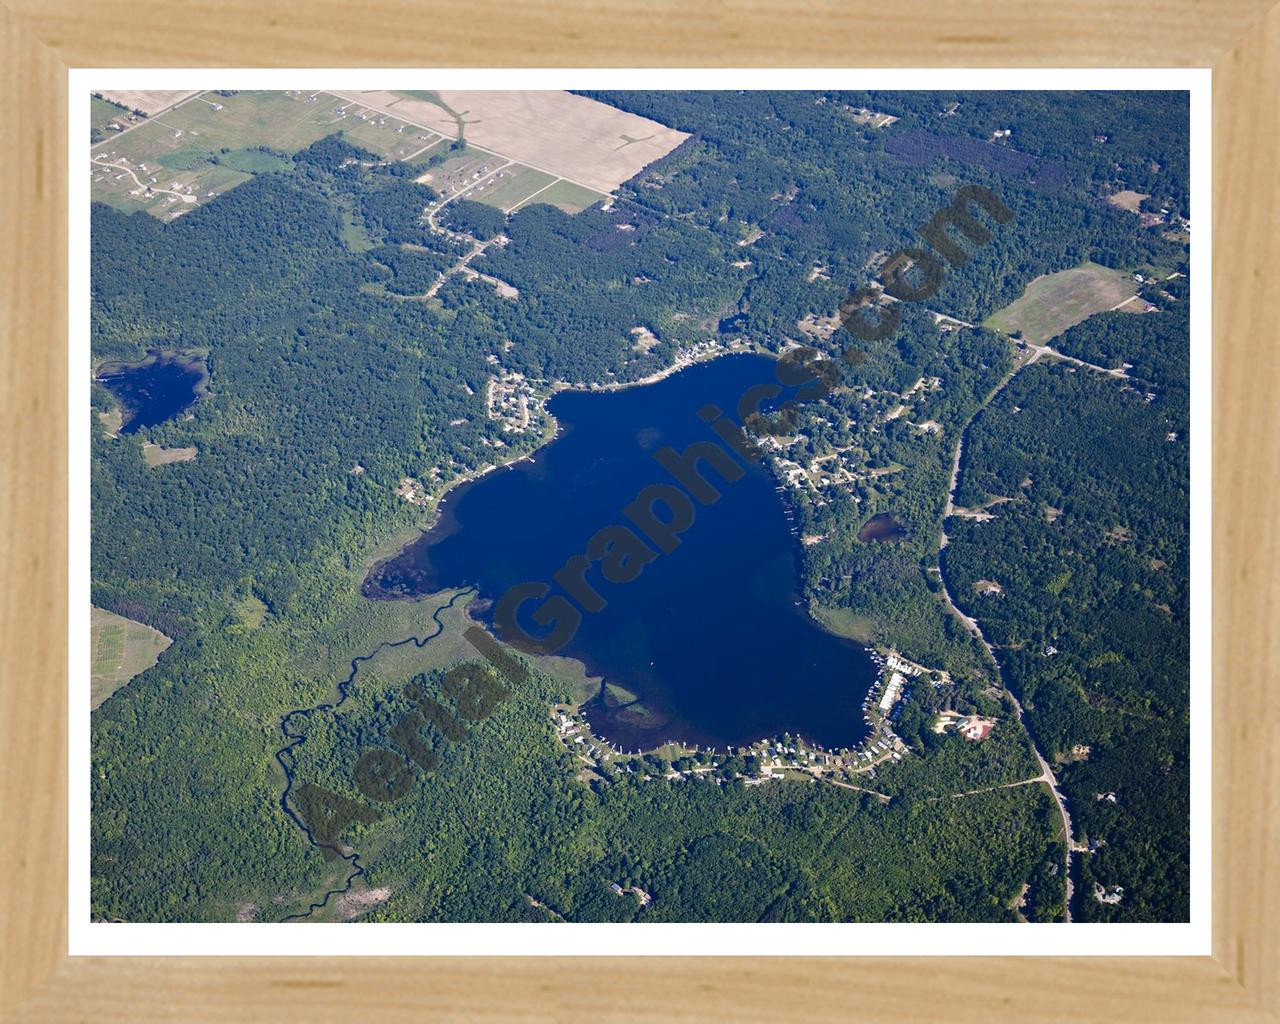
(1054, 302)
(251, 612)
(569, 197)
(387, 136)
(119, 650)
(353, 233)
(177, 148)
(284, 121)
(129, 187)
(102, 113)
(510, 186)
(461, 168)
(253, 161)
(434, 148)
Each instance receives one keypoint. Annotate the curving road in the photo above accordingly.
(972, 626)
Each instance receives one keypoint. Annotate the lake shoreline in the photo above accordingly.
(495, 533)
(749, 349)
(435, 501)
(135, 403)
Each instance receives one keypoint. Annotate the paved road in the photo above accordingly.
(1045, 350)
(100, 162)
(146, 120)
(971, 624)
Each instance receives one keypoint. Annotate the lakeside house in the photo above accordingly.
(891, 691)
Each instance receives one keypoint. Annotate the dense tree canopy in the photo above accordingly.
(334, 377)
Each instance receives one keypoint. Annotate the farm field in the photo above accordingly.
(147, 100)
(572, 137)
(119, 649)
(209, 143)
(1054, 302)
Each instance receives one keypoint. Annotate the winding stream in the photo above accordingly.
(287, 761)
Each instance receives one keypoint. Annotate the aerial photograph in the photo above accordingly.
(639, 506)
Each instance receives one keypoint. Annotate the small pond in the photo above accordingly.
(155, 389)
(882, 528)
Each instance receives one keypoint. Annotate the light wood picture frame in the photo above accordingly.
(41, 39)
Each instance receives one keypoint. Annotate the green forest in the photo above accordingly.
(333, 378)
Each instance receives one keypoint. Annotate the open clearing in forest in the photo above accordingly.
(119, 649)
(1128, 200)
(158, 455)
(1054, 302)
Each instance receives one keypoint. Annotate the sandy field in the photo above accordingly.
(148, 101)
(572, 137)
(1128, 200)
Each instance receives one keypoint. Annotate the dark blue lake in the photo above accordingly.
(155, 390)
(710, 637)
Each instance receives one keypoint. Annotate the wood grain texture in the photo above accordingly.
(649, 991)
(1246, 551)
(40, 38)
(652, 33)
(33, 500)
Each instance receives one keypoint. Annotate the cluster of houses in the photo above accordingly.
(410, 490)
(123, 120)
(971, 727)
(842, 465)
(115, 170)
(687, 355)
(507, 399)
(575, 732)
(891, 692)
(775, 757)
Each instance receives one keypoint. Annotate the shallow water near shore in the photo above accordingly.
(712, 638)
